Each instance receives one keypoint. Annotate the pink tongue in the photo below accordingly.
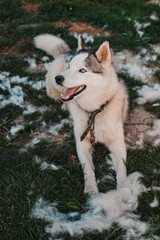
(69, 92)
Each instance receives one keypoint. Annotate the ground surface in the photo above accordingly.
(37, 149)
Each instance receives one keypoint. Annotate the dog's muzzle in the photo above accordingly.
(59, 79)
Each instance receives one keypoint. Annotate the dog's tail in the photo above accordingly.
(53, 45)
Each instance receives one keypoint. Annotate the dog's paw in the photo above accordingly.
(91, 189)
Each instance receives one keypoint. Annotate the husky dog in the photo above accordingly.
(87, 84)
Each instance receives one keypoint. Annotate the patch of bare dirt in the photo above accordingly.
(138, 123)
(13, 49)
(81, 27)
(25, 138)
(16, 49)
(78, 27)
(30, 8)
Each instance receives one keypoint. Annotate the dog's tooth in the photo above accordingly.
(61, 94)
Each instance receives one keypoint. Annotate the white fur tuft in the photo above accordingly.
(103, 209)
(155, 203)
(53, 45)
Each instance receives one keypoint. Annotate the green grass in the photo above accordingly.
(114, 15)
(22, 182)
(20, 175)
(153, 109)
(56, 114)
(157, 74)
(132, 86)
(9, 113)
(13, 64)
(11, 11)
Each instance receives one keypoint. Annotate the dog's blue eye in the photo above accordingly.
(82, 70)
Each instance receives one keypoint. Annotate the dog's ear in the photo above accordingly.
(103, 53)
(81, 43)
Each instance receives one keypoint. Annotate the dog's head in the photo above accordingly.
(86, 76)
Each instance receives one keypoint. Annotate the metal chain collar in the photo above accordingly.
(91, 124)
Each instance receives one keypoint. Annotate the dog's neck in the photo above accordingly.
(91, 120)
(99, 109)
(93, 105)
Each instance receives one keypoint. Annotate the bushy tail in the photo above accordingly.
(53, 45)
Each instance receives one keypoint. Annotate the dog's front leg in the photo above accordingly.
(118, 155)
(80, 118)
(85, 157)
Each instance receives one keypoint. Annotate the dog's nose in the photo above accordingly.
(59, 79)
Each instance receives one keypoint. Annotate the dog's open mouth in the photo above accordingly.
(70, 93)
